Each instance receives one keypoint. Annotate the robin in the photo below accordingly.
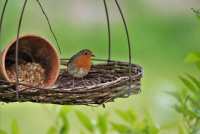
(80, 64)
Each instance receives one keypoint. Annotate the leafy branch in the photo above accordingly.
(61, 125)
(129, 124)
(188, 98)
(14, 128)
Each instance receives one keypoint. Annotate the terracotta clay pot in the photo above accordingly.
(32, 47)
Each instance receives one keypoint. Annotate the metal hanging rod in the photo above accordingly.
(129, 42)
(109, 31)
(2, 15)
(50, 27)
(17, 47)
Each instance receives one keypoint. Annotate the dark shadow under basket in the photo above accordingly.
(104, 83)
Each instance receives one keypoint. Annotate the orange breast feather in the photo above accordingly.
(83, 62)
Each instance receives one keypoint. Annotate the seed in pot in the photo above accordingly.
(29, 73)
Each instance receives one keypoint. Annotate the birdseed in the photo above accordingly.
(29, 73)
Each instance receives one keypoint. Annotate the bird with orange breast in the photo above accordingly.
(80, 64)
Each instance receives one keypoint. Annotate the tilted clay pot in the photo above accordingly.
(32, 48)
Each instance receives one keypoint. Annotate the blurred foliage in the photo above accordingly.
(129, 123)
(188, 99)
(61, 125)
(126, 122)
(194, 58)
(197, 12)
(14, 128)
(2, 132)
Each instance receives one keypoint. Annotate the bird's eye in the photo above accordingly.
(86, 53)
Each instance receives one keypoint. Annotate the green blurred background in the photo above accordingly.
(162, 34)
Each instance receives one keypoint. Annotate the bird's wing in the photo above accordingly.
(71, 59)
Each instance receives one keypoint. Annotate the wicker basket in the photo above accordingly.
(104, 83)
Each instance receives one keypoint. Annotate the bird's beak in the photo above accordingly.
(93, 55)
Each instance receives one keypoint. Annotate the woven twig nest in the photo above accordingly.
(104, 83)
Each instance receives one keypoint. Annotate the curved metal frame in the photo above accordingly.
(2, 15)
(17, 47)
(127, 35)
(52, 32)
(109, 31)
(49, 24)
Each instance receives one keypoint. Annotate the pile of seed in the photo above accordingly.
(29, 73)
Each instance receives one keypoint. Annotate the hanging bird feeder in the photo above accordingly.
(106, 81)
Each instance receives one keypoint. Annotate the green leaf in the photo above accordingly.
(190, 113)
(194, 80)
(15, 127)
(52, 130)
(193, 57)
(189, 84)
(194, 102)
(176, 95)
(3, 132)
(198, 65)
(103, 124)
(63, 116)
(65, 126)
(121, 128)
(128, 116)
(149, 126)
(64, 111)
(179, 108)
(87, 123)
(181, 130)
(194, 111)
(123, 115)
